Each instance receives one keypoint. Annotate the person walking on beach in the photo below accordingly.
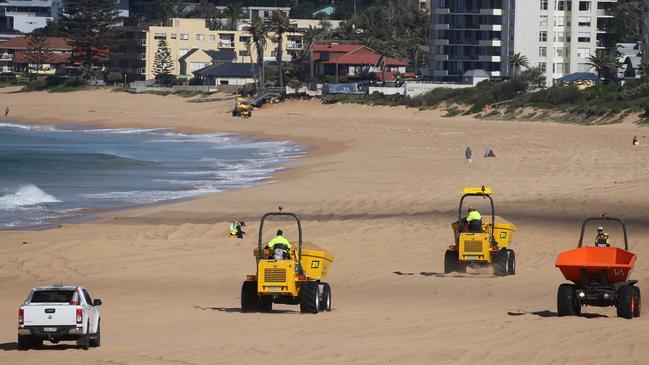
(467, 155)
(6, 111)
(635, 141)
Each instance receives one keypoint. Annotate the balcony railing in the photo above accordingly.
(226, 44)
(294, 45)
(6, 57)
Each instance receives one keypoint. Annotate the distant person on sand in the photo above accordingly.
(6, 111)
(467, 155)
(635, 141)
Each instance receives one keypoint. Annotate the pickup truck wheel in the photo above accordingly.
(249, 299)
(310, 297)
(83, 342)
(95, 341)
(24, 342)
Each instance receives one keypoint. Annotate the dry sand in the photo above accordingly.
(378, 190)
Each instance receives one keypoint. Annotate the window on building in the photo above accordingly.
(244, 39)
(584, 21)
(160, 36)
(543, 51)
(583, 37)
(543, 36)
(544, 21)
(244, 53)
(197, 66)
(182, 52)
(559, 36)
(211, 38)
(543, 66)
(143, 56)
(559, 20)
(559, 51)
(583, 52)
(184, 37)
(200, 37)
(563, 5)
(584, 5)
(173, 35)
(544, 4)
(557, 68)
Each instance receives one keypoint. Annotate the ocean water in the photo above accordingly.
(48, 174)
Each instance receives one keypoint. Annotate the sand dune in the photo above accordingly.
(378, 189)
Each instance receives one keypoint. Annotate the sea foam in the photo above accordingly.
(26, 195)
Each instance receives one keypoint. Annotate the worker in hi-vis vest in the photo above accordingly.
(279, 240)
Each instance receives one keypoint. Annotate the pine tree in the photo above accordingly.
(38, 52)
(91, 26)
(163, 64)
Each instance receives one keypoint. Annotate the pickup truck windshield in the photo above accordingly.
(52, 296)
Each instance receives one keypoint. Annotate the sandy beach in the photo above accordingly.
(378, 189)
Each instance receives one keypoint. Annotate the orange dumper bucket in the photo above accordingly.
(615, 262)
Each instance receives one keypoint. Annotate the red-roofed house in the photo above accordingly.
(351, 60)
(14, 55)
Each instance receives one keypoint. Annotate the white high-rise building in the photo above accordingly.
(558, 36)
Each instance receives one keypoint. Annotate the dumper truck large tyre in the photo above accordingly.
(624, 302)
(500, 263)
(325, 299)
(511, 262)
(310, 297)
(266, 304)
(636, 298)
(249, 299)
(567, 304)
(452, 262)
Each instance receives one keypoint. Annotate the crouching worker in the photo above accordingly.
(236, 229)
(280, 246)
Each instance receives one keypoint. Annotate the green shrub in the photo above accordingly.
(35, 85)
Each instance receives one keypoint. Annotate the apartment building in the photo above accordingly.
(470, 35)
(558, 36)
(14, 55)
(135, 53)
(26, 15)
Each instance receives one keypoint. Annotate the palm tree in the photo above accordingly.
(259, 32)
(603, 62)
(518, 61)
(311, 36)
(280, 24)
(233, 13)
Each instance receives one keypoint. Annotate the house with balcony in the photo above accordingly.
(134, 53)
(355, 61)
(14, 55)
(197, 59)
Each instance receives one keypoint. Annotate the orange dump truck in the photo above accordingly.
(599, 276)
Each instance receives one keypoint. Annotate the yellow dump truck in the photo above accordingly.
(288, 276)
(482, 243)
(242, 107)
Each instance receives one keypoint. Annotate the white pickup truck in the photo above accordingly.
(59, 313)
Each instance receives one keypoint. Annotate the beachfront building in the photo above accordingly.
(135, 53)
(14, 55)
(470, 35)
(352, 61)
(26, 15)
(559, 36)
(233, 74)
